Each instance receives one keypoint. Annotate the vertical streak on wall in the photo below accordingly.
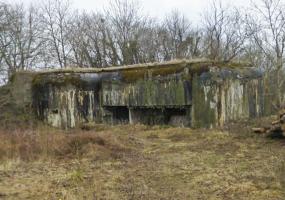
(146, 93)
(236, 102)
(91, 105)
(257, 100)
(204, 103)
(218, 100)
(222, 110)
(69, 107)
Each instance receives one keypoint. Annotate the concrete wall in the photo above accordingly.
(21, 89)
(170, 91)
(186, 95)
(221, 96)
(66, 106)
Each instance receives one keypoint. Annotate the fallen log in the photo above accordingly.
(281, 113)
(276, 128)
(259, 130)
(282, 119)
(275, 122)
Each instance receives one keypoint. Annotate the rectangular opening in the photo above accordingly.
(177, 116)
(149, 116)
(118, 114)
(160, 116)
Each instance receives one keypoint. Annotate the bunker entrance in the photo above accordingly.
(177, 116)
(160, 116)
(118, 114)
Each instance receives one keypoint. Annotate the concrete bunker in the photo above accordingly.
(191, 93)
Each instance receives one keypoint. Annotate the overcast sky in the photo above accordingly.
(155, 8)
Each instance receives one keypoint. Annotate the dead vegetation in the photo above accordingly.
(276, 127)
(11, 114)
(31, 145)
(140, 162)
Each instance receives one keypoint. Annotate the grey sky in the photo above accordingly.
(154, 8)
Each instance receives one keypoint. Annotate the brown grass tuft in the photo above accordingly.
(35, 144)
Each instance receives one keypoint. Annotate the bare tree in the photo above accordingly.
(91, 41)
(267, 21)
(55, 17)
(178, 39)
(269, 29)
(149, 42)
(53, 34)
(225, 33)
(126, 22)
(79, 41)
(20, 37)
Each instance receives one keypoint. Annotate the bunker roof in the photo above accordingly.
(155, 65)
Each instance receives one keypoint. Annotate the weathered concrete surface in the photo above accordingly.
(223, 95)
(182, 93)
(150, 93)
(16, 101)
(21, 88)
(69, 107)
(65, 106)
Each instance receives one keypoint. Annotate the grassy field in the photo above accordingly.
(140, 162)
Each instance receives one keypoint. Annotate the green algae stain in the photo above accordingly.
(203, 114)
(150, 93)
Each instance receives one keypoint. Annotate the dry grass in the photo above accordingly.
(47, 143)
(139, 162)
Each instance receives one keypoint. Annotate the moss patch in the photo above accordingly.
(58, 80)
(203, 115)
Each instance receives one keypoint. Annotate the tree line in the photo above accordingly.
(53, 34)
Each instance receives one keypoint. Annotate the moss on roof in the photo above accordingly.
(174, 63)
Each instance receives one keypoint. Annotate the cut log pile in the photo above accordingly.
(276, 126)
